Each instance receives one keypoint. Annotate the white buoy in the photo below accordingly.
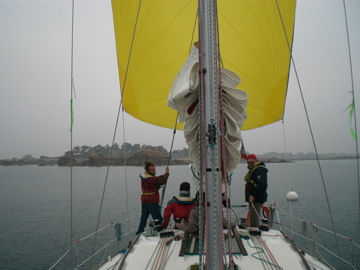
(292, 196)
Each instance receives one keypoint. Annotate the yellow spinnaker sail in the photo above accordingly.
(154, 39)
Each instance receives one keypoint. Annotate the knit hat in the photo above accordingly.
(251, 156)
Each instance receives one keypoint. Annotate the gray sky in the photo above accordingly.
(35, 39)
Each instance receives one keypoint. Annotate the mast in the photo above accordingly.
(209, 133)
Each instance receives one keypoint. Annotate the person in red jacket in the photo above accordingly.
(179, 206)
(150, 198)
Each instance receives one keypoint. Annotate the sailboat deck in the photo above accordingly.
(271, 250)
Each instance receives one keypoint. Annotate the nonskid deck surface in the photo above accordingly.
(270, 250)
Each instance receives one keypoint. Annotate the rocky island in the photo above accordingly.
(158, 155)
(136, 155)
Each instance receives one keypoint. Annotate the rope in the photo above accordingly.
(77, 242)
(304, 236)
(155, 251)
(193, 172)
(272, 258)
(168, 256)
(323, 229)
(72, 92)
(260, 253)
(59, 260)
(82, 239)
(108, 251)
(116, 125)
(314, 242)
(202, 143)
(159, 255)
(168, 162)
(288, 175)
(174, 132)
(311, 240)
(125, 168)
(311, 132)
(353, 101)
(254, 210)
(92, 256)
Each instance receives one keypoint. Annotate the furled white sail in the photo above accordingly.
(183, 97)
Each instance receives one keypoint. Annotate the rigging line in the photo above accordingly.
(72, 92)
(106, 177)
(318, 160)
(116, 125)
(131, 49)
(254, 209)
(107, 252)
(172, 251)
(260, 253)
(63, 256)
(268, 252)
(330, 252)
(193, 32)
(202, 143)
(153, 254)
(311, 132)
(288, 178)
(174, 132)
(320, 228)
(353, 101)
(160, 255)
(169, 158)
(224, 175)
(165, 255)
(125, 168)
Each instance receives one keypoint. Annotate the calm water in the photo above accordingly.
(35, 206)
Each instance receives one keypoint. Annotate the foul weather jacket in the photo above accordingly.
(180, 207)
(150, 186)
(256, 183)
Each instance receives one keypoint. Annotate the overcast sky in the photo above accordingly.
(35, 39)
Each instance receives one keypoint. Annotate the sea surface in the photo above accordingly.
(40, 205)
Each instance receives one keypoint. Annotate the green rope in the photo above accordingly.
(261, 250)
(351, 113)
(72, 115)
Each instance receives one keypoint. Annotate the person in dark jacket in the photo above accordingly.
(255, 188)
(150, 197)
(179, 206)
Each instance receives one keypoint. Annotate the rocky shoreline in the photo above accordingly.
(157, 155)
(96, 159)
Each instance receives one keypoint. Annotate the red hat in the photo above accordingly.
(251, 156)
